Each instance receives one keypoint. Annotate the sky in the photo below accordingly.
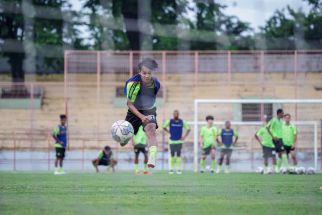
(256, 12)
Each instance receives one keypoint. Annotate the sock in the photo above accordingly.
(276, 168)
(285, 160)
(227, 167)
(219, 167)
(203, 164)
(265, 168)
(145, 166)
(279, 163)
(136, 167)
(213, 164)
(61, 169)
(153, 150)
(171, 162)
(56, 169)
(178, 161)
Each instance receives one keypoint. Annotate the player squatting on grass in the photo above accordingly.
(60, 137)
(105, 158)
(141, 90)
(139, 142)
(175, 127)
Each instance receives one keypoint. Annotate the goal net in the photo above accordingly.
(247, 116)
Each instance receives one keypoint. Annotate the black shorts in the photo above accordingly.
(103, 162)
(137, 122)
(268, 152)
(60, 152)
(175, 149)
(278, 145)
(226, 151)
(206, 151)
(288, 149)
(140, 148)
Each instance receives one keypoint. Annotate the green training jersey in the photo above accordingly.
(208, 135)
(275, 125)
(289, 132)
(140, 137)
(267, 139)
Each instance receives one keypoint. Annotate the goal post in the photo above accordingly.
(197, 122)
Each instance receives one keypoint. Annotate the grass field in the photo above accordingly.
(126, 193)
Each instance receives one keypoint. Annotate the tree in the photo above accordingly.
(12, 32)
(290, 29)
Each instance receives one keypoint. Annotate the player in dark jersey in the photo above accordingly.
(60, 136)
(105, 158)
(226, 143)
(175, 127)
(141, 91)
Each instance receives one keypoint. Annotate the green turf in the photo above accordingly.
(126, 193)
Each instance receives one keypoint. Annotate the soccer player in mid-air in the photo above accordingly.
(290, 138)
(139, 142)
(60, 136)
(105, 158)
(266, 141)
(207, 138)
(275, 129)
(226, 142)
(141, 91)
(175, 127)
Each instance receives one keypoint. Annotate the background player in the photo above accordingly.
(141, 91)
(60, 137)
(226, 143)
(208, 135)
(266, 141)
(104, 158)
(175, 127)
(139, 142)
(274, 127)
(290, 138)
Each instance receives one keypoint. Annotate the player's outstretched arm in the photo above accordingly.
(258, 139)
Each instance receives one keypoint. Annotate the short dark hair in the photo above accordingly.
(209, 117)
(287, 114)
(279, 111)
(149, 63)
(62, 116)
(107, 148)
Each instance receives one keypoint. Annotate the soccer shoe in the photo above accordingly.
(151, 161)
(146, 172)
(227, 171)
(202, 171)
(218, 171)
(171, 172)
(137, 172)
(56, 172)
(179, 172)
(212, 171)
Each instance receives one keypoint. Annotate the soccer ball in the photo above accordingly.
(291, 170)
(283, 170)
(260, 170)
(300, 170)
(310, 171)
(122, 132)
